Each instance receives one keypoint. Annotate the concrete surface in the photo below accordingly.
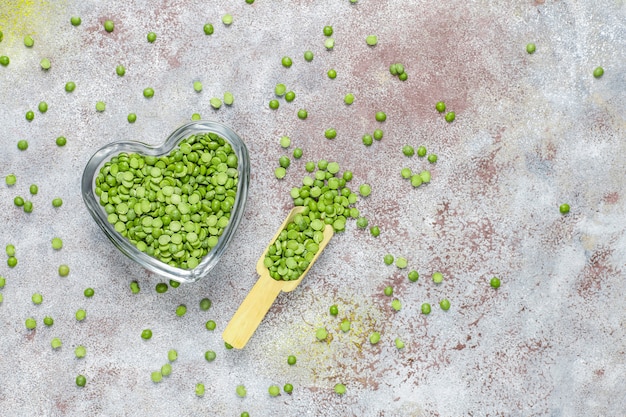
(532, 132)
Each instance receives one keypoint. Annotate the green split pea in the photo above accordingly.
(172, 207)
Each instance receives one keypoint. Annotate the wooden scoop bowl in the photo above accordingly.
(262, 295)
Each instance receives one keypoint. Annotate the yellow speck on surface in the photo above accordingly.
(23, 17)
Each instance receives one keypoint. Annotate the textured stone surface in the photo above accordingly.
(532, 132)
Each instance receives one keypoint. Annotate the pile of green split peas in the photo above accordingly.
(173, 207)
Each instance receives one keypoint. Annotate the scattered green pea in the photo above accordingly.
(18, 201)
(205, 304)
(274, 104)
(210, 355)
(28, 206)
(3, 280)
(22, 145)
(432, 158)
(81, 381)
(403, 77)
(30, 115)
(396, 304)
(57, 202)
(166, 369)
(375, 231)
(64, 270)
(210, 325)
(437, 277)
(75, 20)
(374, 338)
(408, 150)
(172, 355)
(329, 43)
(42, 107)
(30, 323)
(120, 70)
(362, 222)
(334, 310)
(161, 287)
(174, 284)
(100, 106)
(134, 287)
(57, 243)
(531, 48)
(227, 19)
(380, 116)
(348, 98)
(208, 29)
(56, 343)
(61, 141)
(195, 116)
(365, 190)
(367, 140)
(81, 314)
(12, 261)
(229, 99)
(340, 389)
(378, 134)
(330, 133)
(290, 96)
(181, 310)
(345, 325)
(371, 40)
(146, 334)
(291, 360)
(598, 72)
(440, 106)
(151, 37)
(80, 351)
(199, 389)
(280, 173)
(197, 86)
(388, 291)
(241, 391)
(308, 56)
(33, 189)
(564, 208)
(328, 30)
(321, 333)
(48, 321)
(148, 92)
(413, 276)
(425, 308)
(388, 259)
(156, 376)
(10, 179)
(286, 61)
(109, 26)
(4, 60)
(297, 153)
(450, 116)
(89, 292)
(288, 388)
(37, 298)
(444, 304)
(332, 74)
(401, 262)
(29, 41)
(495, 282)
(216, 103)
(274, 390)
(302, 114)
(228, 345)
(399, 343)
(132, 118)
(421, 151)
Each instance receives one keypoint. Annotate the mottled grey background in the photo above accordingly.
(532, 132)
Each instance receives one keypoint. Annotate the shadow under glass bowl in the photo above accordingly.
(97, 211)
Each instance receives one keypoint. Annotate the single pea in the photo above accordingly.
(64, 270)
(89, 292)
(280, 89)
(56, 343)
(432, 158)
(156, 376)
(444, 304)
(134, 287)
(378, 134)
(374, 338)
(345, 325)
(18, 201)
(388, 291)
(81, 314)
(286, 61)
(228, 345)
(148, 92)
(425, 176)
(375, 231)
(70, 86)
(399, 343)
(408, 150)
(245, 413)
(308, 56)
(241, 391)
(309, 166)
(328, 30)
(28, 206)
(161, 287)
(401, 262)
(297, 153)
(371, 40)
(399, 69)
(348, 98)
(450, 116)
(208, 29)
(75, 20)
(197, 86)
(120, 70)
(381, 116)
(33, 189)
(406, 173)
(205, 304)
(274, 390)
(291, 360)
(329, 43)
(12, 261)
(332, 74)
(365, 190)
(330, 133)
(425, 308)
(10, 250)
(22, 145)
(199, 389)
(57, 202)
(413, 276)
(216, 103)
(57, 243)
(132, 118)
(30, 323)
(37, 298)
(151, 37)
(437, 277)
(81, 381)
(10, 179)
(440, 106)
(495, 282)
(172, 355)
(181, 310)
(367, 140)
(280, 173)
(334, 310)
(146, 334)
(288, 388)
(530, 48)
(166, 369)
(403, 77)
(43, 107)
(274, 104)
(80, 351)
(290, 96)
(598, 72)
(210, 355)
(48, 321)
(229, 99)
(195, 116)
(100, 106)
(227, 19)
(3, 282)
(340, 389)
(284, 161)
(564, 208)
(321, 333)
(4, 60)
(396, 304)
(388, 259)
(210, 325)
(285, 141)
(109, 26)
(29, 41)
(302, 114)
(174, 284)
(61, 141)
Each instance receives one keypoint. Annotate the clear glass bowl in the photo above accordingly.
(88, 186)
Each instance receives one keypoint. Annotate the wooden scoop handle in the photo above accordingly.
(251, 311)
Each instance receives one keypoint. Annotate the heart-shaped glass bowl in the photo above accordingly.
(97, 211)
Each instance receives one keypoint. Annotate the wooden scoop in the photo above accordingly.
(262, 295)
